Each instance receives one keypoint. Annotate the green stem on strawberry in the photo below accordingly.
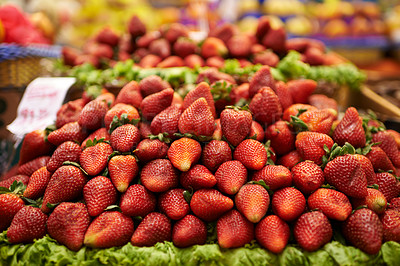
(76, 165)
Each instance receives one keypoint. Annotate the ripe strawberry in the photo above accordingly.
(66, 184)
(256, 131)
(152, 84)
(368, 168)
(130, 114)
(136, 27)
(99, 193)
(312, 230)
(283, 93)
(19, 178)
(234, 230)
(375, 200)
(171, 61)
(288, 203)
(210, 204)
(160, 47)
(334, 204)
(197, 119)
(151, 149)
(174, 31)
(215, 153)
(262, 78)
(391, 225)
(251, 153)
(396, 136)
(310, 145)
(350, 129)
(265, 106)
(71, 131)
(194, 61)
(212, 75)
(379, 159)
(68, 223)
(275, 39)
(281, 136)
(122, 169)
(125, 138)
(389, 185)
(213, 47)
(37, 183)
(155, 103)
(239, 45)
(388, 145)
(235, 124)
(145, 40)
(149, 61)
(94, 158)
(130, 95)
(264, 56)
(167, 121)
(69, 112)
(290, 159)
(183, 153)
(137, 201)
(302, 44)
(231, 176)
(322, 101)
(10, 204)
(363, 229)
(294, 110)
(201, 90)
(273, 233)
(197, 177)
(217, 134)
(189, 231)
(28, 224)
(274, 176)
(30, 167)
(159, 175)
(252, 200)
(346, 174)
(67, 151)
(319, 120)
(154, 228)
(109, 229)
(224, 31)
(34, 145)
(173, 204)
(101, 133)
(301, 89)
(307, 176)
(92, 115)
(184, 47)
(107, 36)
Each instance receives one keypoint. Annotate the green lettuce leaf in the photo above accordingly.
(391, 253)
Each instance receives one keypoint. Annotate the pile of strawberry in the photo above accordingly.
(148, 166)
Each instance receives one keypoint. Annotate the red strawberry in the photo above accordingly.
(312, 230)
(28, 224)
(99, 193)
(66, 184)
(294, 110)
(174, 31)
(213, 47)
(395, 204)
(391, 225)
(252, 201)
(264, 56)
(262, 78)
(251, 153)
(67, 151)
(231, 176)
(396, 136)
(173, 204)
(201, 90)
(155, 103)
(234, 230)
(319, 120)
(256, 131)
(184, 152)
(10, 204)
(152, 84)
(154, 228)
(149, 61)
(101, 133)
(368, 168)
(198, 177)
(215, 153)
(167, 121)
(290, 159)
(210, 204)
(239, 45)
(322, 101)
(159, 175)
(189, 231)
(24, 179)
(388, 145)
(194, 60)
(94, 158)
(37, 183)
(301, 89)
(334, 204)
(184, 47)
(389, 185)
(69, 112)
(109, 229)
(30, 167)
(346, 174)
(197, 119)
(274, 176)
(375, 200)
(129, 94)
(151, 149)
(281, 136)
(288, 203)
(235, 124)
(92, 115)
(273, 233)
(107, 36)
(363, 229)
(171, 61)
(160, 47)
(350, 129)
(263, 26)
(68, 223)
(137, 201)
(224, 31)
(122, 169)
(70, 131)
(307, 176)
(379, 159)
(136, 27)
(212, 75)
(125, 138)
(265, 106)
(130, 113)
(283, 93)
(217, 134)
(34, 145)
(310, 145)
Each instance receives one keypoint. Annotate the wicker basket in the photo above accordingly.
(19, 72)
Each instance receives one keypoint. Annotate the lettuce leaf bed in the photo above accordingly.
(47, 251)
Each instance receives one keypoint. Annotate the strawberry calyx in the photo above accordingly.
(238, 108)
(221, 90)
(91, 143)
(261, 183)
(123, 120)
(52, 205)
(17, 188)
(187, 195)
(367, 148)
(374, 128)
(297, 124)
(374, 186)
(359, 208)
(328, 186)
(34, 203)
(336, 151)
(163, 137)
(270, 153)
(76, 165)
(200, 138)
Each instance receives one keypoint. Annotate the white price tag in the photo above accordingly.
(39, 105)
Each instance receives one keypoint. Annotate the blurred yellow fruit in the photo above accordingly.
(299, 25)
(43, 23)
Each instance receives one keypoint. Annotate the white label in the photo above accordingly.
(39, 105)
